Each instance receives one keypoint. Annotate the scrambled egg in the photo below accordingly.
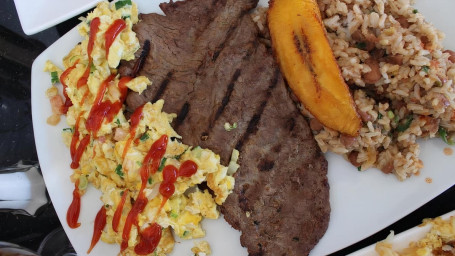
(102, 164)
(201, 248)
(440, 240)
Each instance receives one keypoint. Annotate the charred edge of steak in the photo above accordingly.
(252, 125)
(142, 57)
(163, 87)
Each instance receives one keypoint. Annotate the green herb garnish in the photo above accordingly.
(118, 170)
(415, 11)
(361, 45)
(92, 68)
(405, 126)
(390, 114)
(73, 59)
(54, 77)
(186, 232)
(139, 163)
(426, 69)
(121, 193)
(83, 182)
(150, 180)
(443, 134)
(117, 121)
(175, 215)
(107, 206)
(359, 168)
(144, 137)
(228, 127)
(163, 162)
(177, 157)
(121, 3)
(126, 17)
(379, 116)
(68, 130)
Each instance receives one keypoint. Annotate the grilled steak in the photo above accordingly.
(208, 65)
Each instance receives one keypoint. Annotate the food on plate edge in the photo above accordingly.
(438, 241)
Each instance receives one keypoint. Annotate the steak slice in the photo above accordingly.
(281, 196)
(207, 63)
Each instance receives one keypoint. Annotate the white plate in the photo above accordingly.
(37, 15)
(402, 240)
(362, 203)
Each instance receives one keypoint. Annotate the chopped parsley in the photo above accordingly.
(186, 232)
(426, 69)
(390, 114)
(396, 119)
(405, 126)
(443, 134)
(83, 182)
(122, 3)
(107, 206)
(150, 180)
(144, 137)
(361, 45)
(121, 193)
(126, 17)
(92, 67)
(379, 116)
(118, 170)
(73, 59)
(54, 77)
(228, 127)
(177, 157)
(163, 162)
(359, 168)
(139, 163)
(175, 215)
(117, 121)
(68, 130)
(415, 11)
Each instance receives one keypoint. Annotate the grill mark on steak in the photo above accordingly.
(252, 125)
(141, 60)
(182, 115)
(162, 87)
(221, 47)
(226, 97)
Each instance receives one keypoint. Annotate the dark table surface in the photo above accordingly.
(17, 53)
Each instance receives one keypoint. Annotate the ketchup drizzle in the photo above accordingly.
(63, 76)
(98, 226)
(80, 150)
(72, 215)
(94, 27)
(150, 165)
(135, 118)
(99, 109)
(149, 239)
(118, 211)
(112, 32)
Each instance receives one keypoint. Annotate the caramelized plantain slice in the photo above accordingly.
(306, 60)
